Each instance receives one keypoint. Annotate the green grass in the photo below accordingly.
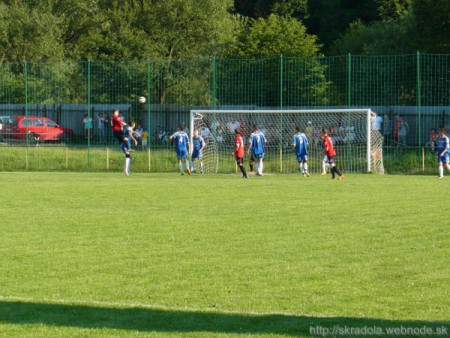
(53, 157)
(102, 254)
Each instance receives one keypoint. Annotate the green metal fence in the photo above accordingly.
(416, 86)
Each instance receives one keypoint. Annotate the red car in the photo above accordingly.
(36, 129)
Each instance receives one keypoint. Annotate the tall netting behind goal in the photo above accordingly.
(359, 147)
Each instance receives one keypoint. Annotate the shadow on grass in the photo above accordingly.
(171, 321)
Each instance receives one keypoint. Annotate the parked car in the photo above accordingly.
(36, 129)
(3, 120)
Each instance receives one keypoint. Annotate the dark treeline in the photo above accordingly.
(60, 30)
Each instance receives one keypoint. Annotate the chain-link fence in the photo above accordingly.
(56, 116)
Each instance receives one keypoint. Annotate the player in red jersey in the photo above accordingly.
(328, 150)
(117, 127)
(239, 151)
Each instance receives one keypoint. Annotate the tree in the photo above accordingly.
(276, 36)
(432, 18)
(328, 19)
(393, 9)
(378, 38)
(28, 34)
(256, 9)
(262, 43)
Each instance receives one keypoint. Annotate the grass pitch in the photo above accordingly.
(215, 255)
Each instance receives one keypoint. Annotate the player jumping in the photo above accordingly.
(128, 131)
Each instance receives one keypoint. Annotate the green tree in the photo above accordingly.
(28, 33)
(378, 38)
(276, 36)
(432, 19)
(393, 9)
(256, 9)
(266, 40)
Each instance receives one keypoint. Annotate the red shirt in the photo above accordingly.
(239, 146)
(328, 146)
(116, 123)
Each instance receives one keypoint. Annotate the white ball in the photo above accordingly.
(142, 99)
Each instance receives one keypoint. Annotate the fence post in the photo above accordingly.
(281, 114)
(89, 112)
(349, 80)
(26, 112)
(419, 105)
(149, 106)
(214, 83)
(349, 104)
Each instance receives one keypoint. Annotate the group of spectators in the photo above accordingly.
(394, 132)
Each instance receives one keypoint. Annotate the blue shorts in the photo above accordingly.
(196, 154)
(302, 158)
(444, 159)
(257, 156)
(182, 153)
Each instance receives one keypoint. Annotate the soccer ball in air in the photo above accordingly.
(142, 99)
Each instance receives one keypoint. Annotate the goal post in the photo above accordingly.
(359, 147)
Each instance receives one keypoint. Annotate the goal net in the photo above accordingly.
(359, 147)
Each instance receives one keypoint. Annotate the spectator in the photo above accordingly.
(403, 130)
(376, 121)
(387, 129)
(101, 125)
(138, 133)
(205, 132)
(397, 122)
(87, 121)
(432, 141)
(144, 139)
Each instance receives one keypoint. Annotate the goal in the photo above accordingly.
(359, 147)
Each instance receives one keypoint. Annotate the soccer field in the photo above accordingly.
(97, 254)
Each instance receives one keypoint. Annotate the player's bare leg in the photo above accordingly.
(187, 166)
(305, 169)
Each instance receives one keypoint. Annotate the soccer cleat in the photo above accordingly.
(307, 174)
(182, 174)
(188, 171)
(244, 176)
(126, 173)
(440, 177)
(341, 178)
(323, 174)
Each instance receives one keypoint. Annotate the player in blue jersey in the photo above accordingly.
(182, 146)
(198, 144)
(256, 147)
(443, 150)
(300, 147)
(128, 131)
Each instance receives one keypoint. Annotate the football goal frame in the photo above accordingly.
(220, 122)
